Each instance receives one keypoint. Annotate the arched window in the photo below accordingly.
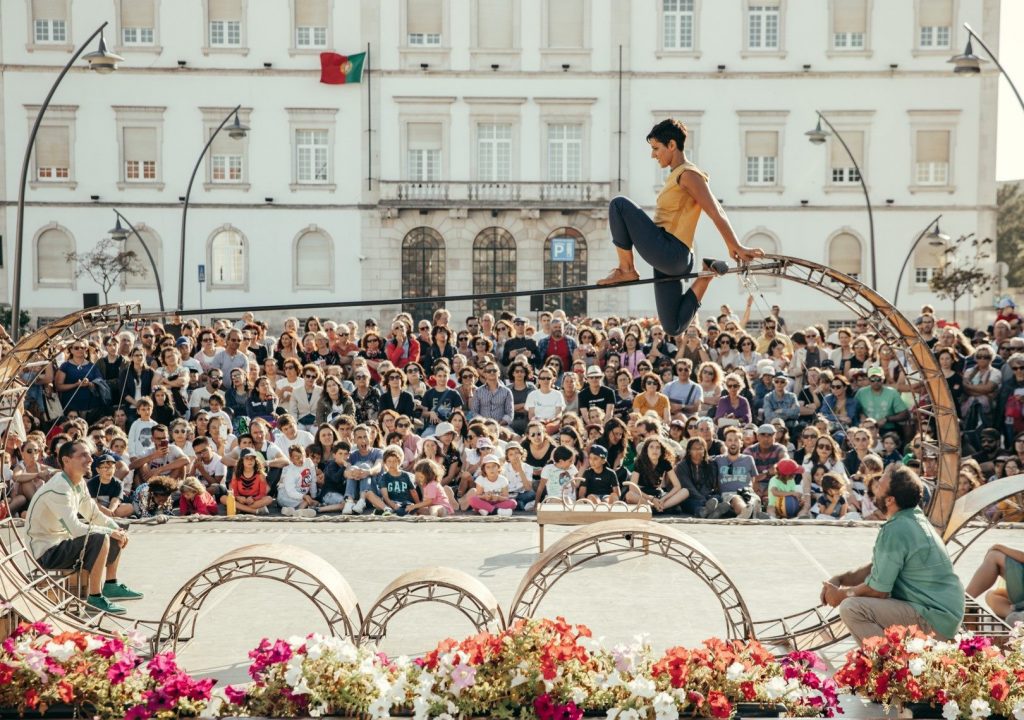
(52, 266)
(423, 271)
(156, 247)
(844, 254)
(770, 245)
(494, 268)
(228, 258)
(927, 260)
(566, 273)
(314, 260)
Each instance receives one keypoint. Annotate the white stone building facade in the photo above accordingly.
(484, 129)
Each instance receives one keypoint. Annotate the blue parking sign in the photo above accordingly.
(202, 273)
(563, 249)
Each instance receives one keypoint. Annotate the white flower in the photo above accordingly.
(916, 667)
(518, 679)
(61, 651)
(619, 714)
(93, 643)
(916, 645)
(775, 688)
(735, 672)
(578, 695)
(641, 687)
(380, 708)
(293, 672)
(1018, 711)
(135, 638)
(296, 641)
(302, 688)
(665, 707)
(980, 709)
(951, 711)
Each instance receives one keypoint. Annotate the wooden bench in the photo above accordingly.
(554, 511)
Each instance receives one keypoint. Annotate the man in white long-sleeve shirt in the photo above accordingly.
(60, 540)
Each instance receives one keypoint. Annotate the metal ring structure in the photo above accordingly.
(968, 522)
(297, 568)
(631, 538)
(33, 593)
(433, 584)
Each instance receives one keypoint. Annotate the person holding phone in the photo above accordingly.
(164, 458)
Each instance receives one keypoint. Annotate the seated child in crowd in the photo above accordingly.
(195, 499)
(559, 476)
(297, 485)
(492, 490)
(438, 500)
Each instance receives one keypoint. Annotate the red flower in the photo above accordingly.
(66, 691)
(31, 699)
(747, 688)
(998, 688)
(881, 684)
(719, 704)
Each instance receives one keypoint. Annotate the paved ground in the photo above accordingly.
(778, 569)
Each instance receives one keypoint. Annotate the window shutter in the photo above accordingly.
(933, 146)
(224, 144)
(936, 13)
(764, 3)
(225, 9)
(762, 144)
(137, 14)
(565, 23)
(850, 16)
(311, 13)
(51, 261)
(855, 141)
(424, 16)
(132, 244)
(52, 149)
(494, 24)
(140, 144)
(844, 254)
(49, 10)
(424, 136)
(313, 260)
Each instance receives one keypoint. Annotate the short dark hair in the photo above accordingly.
(67, 450)
(340, 445)
(667, 130)
(906, 488)
(201, 441)
(562, 453)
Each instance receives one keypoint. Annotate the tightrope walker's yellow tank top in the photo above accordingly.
(677, 211)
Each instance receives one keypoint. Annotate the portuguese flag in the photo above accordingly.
(338, 69)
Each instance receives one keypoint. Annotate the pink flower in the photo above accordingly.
(463, 676)
(119, 672)
(162, 666)
(235, 696)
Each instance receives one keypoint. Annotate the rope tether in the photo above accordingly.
(444, 299)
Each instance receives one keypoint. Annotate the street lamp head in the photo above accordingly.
(237, 130)
(118, 232)
(102, 60)
(968, 63)
(817, 136)
(937, 238)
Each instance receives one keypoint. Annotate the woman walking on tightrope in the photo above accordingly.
(666, 242)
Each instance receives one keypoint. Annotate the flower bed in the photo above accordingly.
(966, 678)
(538, 669)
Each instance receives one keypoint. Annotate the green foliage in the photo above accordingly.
(1010, 232)
(965, 270)
(5, 316)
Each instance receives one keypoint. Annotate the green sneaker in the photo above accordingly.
(104, 605)
(120, 591)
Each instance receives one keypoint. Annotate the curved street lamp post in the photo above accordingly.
(119, 234)
(237, 131)
(817, 136)
(102, 61)
(970, 64)
(935, 237)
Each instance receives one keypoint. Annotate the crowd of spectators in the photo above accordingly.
(493, 415)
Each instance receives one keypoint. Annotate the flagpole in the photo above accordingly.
(369, 123)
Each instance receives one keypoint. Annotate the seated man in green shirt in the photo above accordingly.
(882, 404)
(910, 580)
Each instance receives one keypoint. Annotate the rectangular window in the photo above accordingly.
(932, 157)
(51, 31)
(849, 24)
(137, 36)
(677, 16)
(763, 25)
(311, 156)
(53, 157)
(226, 168)
(138, 19)
(923, 275)
(311, 37)
(494, 23)
(423, 22)
(565, 23)
(565, 153)
(494, 151)
(935, 21)
(140, 154)
(225, 33)
(311, 19)
(762, 150)
(424, 151)
(844, 171)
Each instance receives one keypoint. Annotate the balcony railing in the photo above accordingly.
(446, 193)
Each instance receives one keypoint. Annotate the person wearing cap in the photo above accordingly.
(884, 404)
(684, 395)
(600, 483)
(910, 580)
(761, 385)
(596, 400)
(766, 454)
(105, 488)
(780, 402)
(785, 497)
(492, 490)
(520, 345)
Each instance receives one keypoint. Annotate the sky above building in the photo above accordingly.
(1010, 164)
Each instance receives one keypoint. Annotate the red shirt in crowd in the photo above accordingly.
(560, 347)
(199, 505)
